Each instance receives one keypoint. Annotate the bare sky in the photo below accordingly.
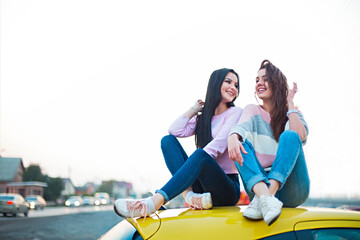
(88, 88)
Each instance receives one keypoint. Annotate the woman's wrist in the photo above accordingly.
(291, 105)
(291, 108)
(235, 136)
(291, 111)
(197, 107)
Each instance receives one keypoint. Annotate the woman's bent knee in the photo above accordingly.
(289, 134)
(167, 140)
(200, 153)
(296, 199)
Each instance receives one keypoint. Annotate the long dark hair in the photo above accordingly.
(213, 98)
(279, 87)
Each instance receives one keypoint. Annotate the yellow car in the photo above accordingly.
(228, 223)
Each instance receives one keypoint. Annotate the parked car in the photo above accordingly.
(13, 203)
(88, 201)
(104, 198)
(74, 201)
(228, 223)
(36, 201)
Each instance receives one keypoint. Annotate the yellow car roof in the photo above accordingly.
(227, 222)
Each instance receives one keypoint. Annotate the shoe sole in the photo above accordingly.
(274, 219)
(116, 211)
(252, 218)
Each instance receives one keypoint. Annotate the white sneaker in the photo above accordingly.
(270, 208)
(253, 211)
(199, 200)
(134, 208)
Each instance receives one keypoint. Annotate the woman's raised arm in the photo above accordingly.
(295, 123)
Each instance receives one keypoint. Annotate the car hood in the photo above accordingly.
(219, 222)
(222, 222)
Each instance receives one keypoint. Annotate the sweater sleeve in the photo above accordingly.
(218, 145)
(301, 116)
(245, 126)
(183, 126)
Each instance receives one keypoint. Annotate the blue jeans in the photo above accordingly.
(289, 168)
(200, 171)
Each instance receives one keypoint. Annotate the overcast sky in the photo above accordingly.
(89, 88)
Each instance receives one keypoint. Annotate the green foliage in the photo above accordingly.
(55, 185)
(33, 173)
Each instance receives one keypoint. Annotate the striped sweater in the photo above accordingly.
(254, 126)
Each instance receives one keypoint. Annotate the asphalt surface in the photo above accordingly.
(78, 225)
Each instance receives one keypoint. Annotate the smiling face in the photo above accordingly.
(262, 87)
(229, 88)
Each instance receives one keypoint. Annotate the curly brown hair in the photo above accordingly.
(278, 84)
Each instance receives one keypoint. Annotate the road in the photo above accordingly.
(59, 223)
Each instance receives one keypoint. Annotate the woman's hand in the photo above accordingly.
(195, 109)
(234, 148)
(198, 106)
(291, 95)
(295, 123)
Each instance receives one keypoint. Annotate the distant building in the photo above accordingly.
(26, 188)
(11, 170)
(122, 189)
(88, 189)
(69, 188)
(11, 179)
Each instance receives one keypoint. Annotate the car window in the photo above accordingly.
(6, 198)
(329, 234)
(336, 233)
(282, 236)
(31, 198)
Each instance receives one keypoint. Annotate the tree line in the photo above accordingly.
(55, 185)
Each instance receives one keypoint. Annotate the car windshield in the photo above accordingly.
(6, 198)
(31, 199)
(102, 195)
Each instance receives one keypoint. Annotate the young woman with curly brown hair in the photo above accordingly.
(266, 146)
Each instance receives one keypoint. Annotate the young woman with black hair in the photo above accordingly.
(207, 177)
(271, 135)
